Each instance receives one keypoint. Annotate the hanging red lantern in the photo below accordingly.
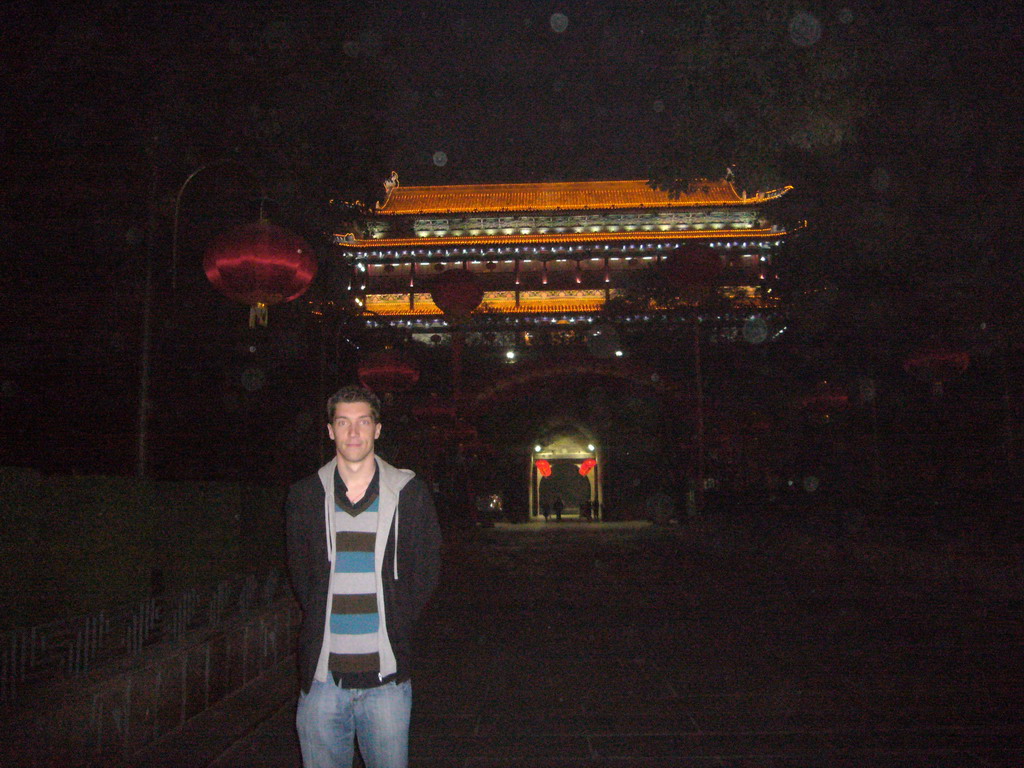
(586, 466)
(826, 400)
(691, 265)
(936, 366)
(463, 433)
(456, 292)
(260, 265)
(434, 409)
(543, 467)
(388, 371)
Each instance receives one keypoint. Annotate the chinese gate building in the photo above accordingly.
(548, 260)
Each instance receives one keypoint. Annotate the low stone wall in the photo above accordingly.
(105, 718)
(72, 546)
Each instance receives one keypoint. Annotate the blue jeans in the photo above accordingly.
(329, 718)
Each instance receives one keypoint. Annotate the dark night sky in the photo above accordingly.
(474, 91)
(505, 90)
(899, 126)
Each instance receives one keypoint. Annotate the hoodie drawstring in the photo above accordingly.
(329, 518)
(395, 554)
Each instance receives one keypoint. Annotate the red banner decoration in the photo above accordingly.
(544, 467)
(586, 466)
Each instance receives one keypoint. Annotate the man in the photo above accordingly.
(363, 554)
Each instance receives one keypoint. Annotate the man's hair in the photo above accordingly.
(354, 394)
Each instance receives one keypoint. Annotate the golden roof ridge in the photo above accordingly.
(560, 196)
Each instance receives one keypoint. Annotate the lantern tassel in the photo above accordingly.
(258, 315)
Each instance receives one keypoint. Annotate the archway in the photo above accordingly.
(572, 409)
(565, 475)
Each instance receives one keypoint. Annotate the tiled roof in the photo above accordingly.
(560, 196)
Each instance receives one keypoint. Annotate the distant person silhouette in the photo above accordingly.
(558, 507)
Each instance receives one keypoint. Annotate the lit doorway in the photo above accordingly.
(565, 471)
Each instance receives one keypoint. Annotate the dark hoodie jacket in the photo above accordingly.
(406, 559)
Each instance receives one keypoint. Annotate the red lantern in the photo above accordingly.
(260, 265)
(587, 465)
(388, 371)
(691, 265)
(936, 366)
(434, 409)
(463, 433)
(826, 400)
(543, 467)
(456, 292)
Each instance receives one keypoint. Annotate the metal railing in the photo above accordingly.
(73, 647)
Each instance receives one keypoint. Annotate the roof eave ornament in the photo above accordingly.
(389, 185)
(775, 194)
(730, 178)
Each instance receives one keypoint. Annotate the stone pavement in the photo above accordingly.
(579, 645)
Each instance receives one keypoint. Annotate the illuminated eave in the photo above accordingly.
(425, 306)
(563, 196)
(583, 302)
(574, 238)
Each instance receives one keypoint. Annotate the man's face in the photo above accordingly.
(353, 431)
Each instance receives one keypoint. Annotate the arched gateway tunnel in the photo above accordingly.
(571, 434)
(564, 477)
(602, 435)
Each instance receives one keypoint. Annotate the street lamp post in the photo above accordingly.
(146, 342)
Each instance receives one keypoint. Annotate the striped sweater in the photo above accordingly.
(354, 620)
